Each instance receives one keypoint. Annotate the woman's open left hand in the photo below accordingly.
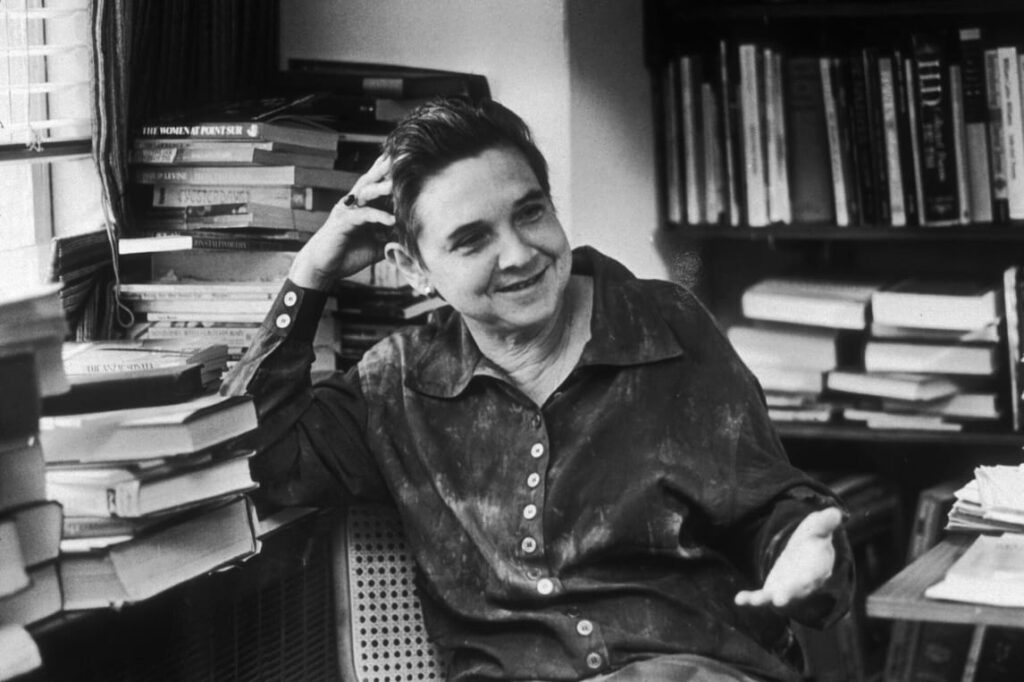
(804, 565)
(353, 236)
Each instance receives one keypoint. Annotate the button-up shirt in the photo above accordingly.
(613, 523)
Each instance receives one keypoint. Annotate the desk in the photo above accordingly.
(902, 598)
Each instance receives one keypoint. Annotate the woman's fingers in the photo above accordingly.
(367, 188)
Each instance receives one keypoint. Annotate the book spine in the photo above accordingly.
(751, 104)
(935, 131)
(809, 158)
(997, 150)
(864, 133)
(775, 140)
(672, 152)
(959, 143)
(1013, 132)
(714, 182)
(1011, 308)
(692, 152)
(915, 139)
(894, 173)
(975, 100)
(839, 180)
(730, 146)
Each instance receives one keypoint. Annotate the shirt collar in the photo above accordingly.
(626, 329)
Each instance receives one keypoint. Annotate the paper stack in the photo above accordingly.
(992, 502)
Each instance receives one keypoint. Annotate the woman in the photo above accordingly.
(584, 469)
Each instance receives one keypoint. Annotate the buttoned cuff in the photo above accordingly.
(296, 312)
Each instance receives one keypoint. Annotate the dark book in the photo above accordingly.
(22, 468)
(1012, 297)
(155, 243)
(120, 390)
(864, 116)
(671, 146)
(996, 655)
(732, 149)
(228, 154)
(935, 130)
(174, 195)
(807, 138)
(918, 650)
(383, 80)
(19, 399)
(975, 101)
(907, 134)
(224, 128)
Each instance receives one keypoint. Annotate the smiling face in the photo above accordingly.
(491, 244)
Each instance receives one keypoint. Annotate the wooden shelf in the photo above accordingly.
(980, 233)
(903, 597)
(848, 432)
(817, 9)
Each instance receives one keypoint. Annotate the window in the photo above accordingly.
(48, 182)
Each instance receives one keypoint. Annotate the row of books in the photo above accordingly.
(912, 354)
(927, 133)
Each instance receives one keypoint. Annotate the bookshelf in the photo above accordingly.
(722, 252)
(720, 238)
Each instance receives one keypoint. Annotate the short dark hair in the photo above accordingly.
(437, 134)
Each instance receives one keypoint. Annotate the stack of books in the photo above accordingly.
(993, 501)
(30, 525)
(152, 496)
(228, 313)
(83, 266)
(932, 358)
(371, 308)
(795, 332)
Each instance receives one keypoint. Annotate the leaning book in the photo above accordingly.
(991, 571)
(146, 432)
(150, 564)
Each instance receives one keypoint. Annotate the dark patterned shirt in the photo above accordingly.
(613, 523)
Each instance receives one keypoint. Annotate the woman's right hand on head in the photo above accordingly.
(352, 238)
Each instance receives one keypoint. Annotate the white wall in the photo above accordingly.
(590, 112)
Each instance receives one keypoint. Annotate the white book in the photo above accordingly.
(822, 303)
(751, 104)
(835, 148)
(894, 171)
(806, 347)
(877, 419)
(1013, 127)
(898, 385)
(937, 304)
(789, 379)
(991, 571)
(890, 356)
(775, 133)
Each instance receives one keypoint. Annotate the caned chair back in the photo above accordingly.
(380, 623)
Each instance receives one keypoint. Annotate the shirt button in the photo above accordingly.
(529, 545)
(533, 573)
(533, 480)
(537, 420)
(530, 511)
(545, 586)
(537, 450)
(283, 320)
(290, 298)
(584, 627)
(593, 660)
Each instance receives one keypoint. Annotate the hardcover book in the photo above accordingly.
(935, 130)
(152, 563)
(807, 137)
(146, 432)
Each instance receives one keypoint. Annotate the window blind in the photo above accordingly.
(45, 67)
